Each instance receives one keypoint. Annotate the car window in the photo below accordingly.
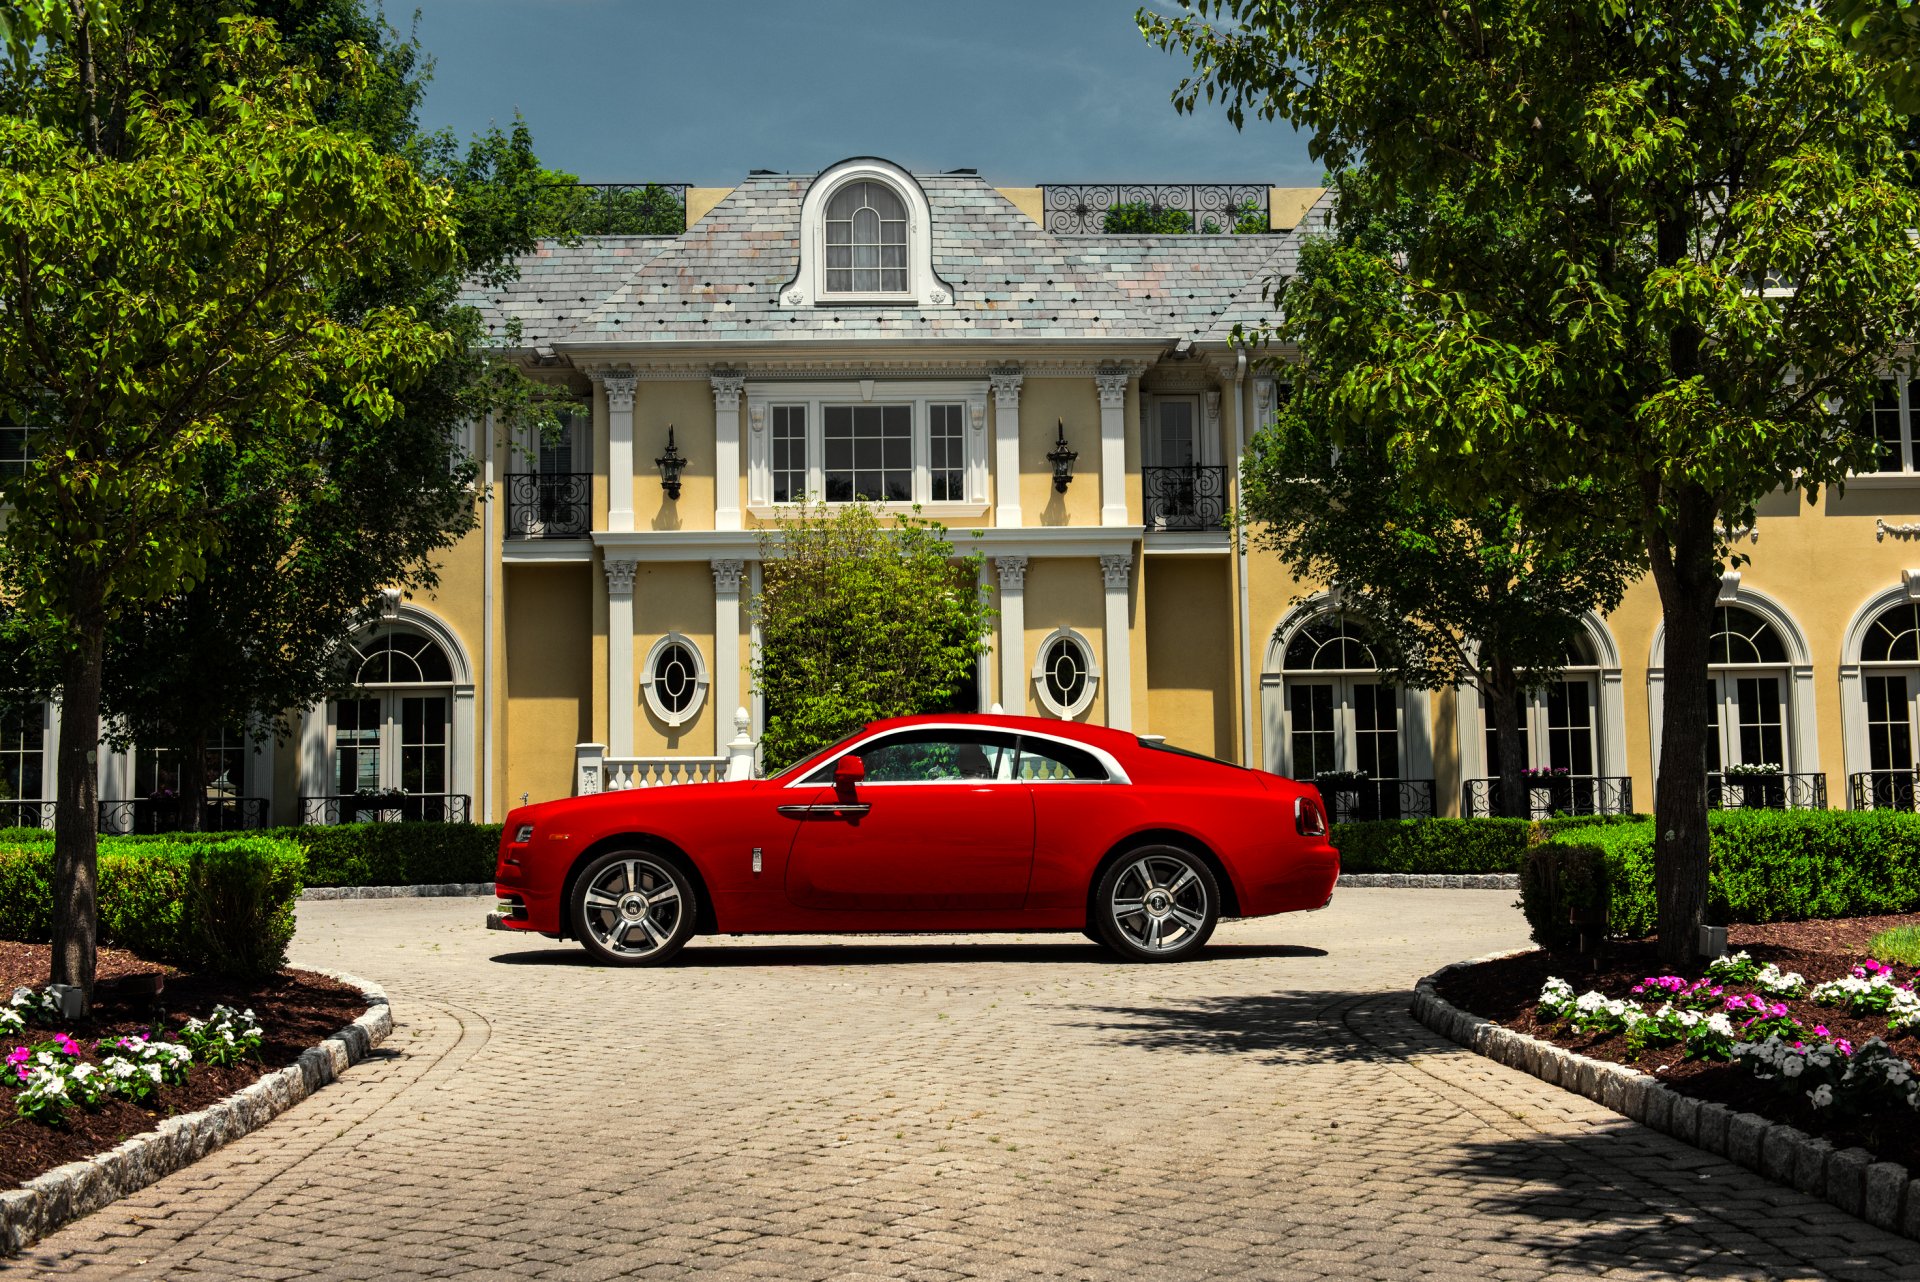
(1044, 761)
(933, 756)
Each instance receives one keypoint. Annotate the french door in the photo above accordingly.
(1749, 724)
(1558, 723)
(391, 743)
(1347, 723)
(1890, 720)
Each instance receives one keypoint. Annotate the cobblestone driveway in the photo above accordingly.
(980, 1108)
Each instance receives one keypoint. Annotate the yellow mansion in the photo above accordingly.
(991, 356)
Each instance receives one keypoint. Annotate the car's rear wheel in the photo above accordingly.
(1156, 903)
(633, 908)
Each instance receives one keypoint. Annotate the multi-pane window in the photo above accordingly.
(1890, 681)
(156, 771)
(1376, 730)
(1557, 723)
(1889, 723)
(789, 453)
(1892, 423)
(423, 745)
(15, 449)
(866, 240)
(1342, 716)
(395, 740)
(1747, 708)
(869, 453)
(1065, 674)
(356, 745)
(1313, 739)
(23, 743)
(946, 453)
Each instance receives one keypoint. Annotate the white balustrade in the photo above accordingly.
(595, 771)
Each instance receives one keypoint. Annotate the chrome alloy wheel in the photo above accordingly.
(632, 907)
(1159, 902)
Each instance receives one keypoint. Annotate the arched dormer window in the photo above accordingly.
(865, 238)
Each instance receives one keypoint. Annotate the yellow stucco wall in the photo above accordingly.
(672, 597)
(1046, 403)
(688, 408)
(701, 200)
(1188, 672)
(548, 679)
(1288, 205)
(1066, 592)
(1027, 201)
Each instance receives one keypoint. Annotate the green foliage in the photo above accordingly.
(1448, 846)
(1887, 32)
(570, 208)
(219, 904)
(861, 619)
(1564, 884)
(406, 854)
(1897, 947)
(1137, 216)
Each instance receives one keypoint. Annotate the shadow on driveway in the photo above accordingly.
(1310, 1026)
(903, 954)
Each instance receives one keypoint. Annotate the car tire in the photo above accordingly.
(633, 908)
(1156, 903)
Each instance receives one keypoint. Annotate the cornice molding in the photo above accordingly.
(858, 367)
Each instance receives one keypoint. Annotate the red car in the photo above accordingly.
(931, 823)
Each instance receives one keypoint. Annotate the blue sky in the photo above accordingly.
(701, 92)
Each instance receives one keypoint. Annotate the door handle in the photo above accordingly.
(849, 810)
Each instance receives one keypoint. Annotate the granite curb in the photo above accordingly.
(44, 1203)
(446, 890)
(1433, 881)
(1885, 1194)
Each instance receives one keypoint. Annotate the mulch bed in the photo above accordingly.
(295, 1008)
(1508, 991)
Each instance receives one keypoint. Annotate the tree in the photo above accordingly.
(860, 620)
(178, 226)
(1484, 591)
(1681, 256)
(1888, 32)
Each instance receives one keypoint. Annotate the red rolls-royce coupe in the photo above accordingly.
(931, 823)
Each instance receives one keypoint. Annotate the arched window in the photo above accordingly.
(1747, 666)
(1341, 717)
(1890, 683)
(392, 737)
(675, 680)
(866, 240)
(1066, 674)
(1559, 722)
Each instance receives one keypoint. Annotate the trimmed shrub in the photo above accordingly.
(1448, 845)
(218, 903)
(383, 854)
(1564, 886)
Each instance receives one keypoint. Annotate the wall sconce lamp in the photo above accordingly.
(1062, 459)
(670, 465)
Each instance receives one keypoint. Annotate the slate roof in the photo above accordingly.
(719, 281)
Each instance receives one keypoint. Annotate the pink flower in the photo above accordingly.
(66, 1044)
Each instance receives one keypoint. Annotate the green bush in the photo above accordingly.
(1564, 885)
(1447, 845)
(384, 854)
(217, 903)
(1137, 216)
(1775, 865)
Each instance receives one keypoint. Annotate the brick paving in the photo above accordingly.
(973, 1108)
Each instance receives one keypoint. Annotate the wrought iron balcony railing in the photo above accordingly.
(27, 814)
(1767, 792)
(446, 807)
(167, 814)
(615, 209)
(1081, 208)
(1546, 797)
(549, 505)
(1884, 790)
(1378, 799)
(1189, 497)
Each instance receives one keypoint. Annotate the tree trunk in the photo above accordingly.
(1502, 695)
(1687, 575)
(193, 780)
(76, 813)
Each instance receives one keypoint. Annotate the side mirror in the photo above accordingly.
(848, 771)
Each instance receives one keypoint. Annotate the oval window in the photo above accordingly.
(1065, 675)
(675, 679)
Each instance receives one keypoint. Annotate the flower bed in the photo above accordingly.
(70, 1089)
(1805, 1028)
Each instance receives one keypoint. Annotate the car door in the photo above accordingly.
(939, 823)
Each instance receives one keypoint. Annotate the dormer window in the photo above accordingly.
(866, 240)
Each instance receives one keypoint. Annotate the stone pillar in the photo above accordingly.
(622, 692)
(726, 450)
(1116, 570)
(588, 765)
(726, 643)
(1006, 449)
(1113, 447)
(1013, 633)
(619, 450)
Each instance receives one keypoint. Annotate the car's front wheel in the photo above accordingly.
(1156, 904)
(633, 908)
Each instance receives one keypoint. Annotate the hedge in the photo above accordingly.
(1447, 845)
(1773, 865)
(371, 854)
(217, 903)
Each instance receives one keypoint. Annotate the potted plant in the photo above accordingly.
(369, 805)
(1760, 782)
(1366, 800)
(1556, 782)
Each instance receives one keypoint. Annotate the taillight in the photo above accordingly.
(1308, 819)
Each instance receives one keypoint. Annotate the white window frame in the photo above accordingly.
(808, 288)
(1066, 712)
(1902, 381)
(1206, 440)
(701, 681)
(920, 394)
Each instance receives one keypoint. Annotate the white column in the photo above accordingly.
(1006, 449)
(726, 644)
(622, 693)
(1115, 570)
(726, 453)
(619, 450)
(1113, 448)
(1013, 633)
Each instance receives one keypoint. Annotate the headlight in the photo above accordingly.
(1308, 819)
(523, 835)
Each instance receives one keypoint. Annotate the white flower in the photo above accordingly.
(1822, 1096)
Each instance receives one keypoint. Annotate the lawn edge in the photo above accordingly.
(1884, 1194)
(66, 1193)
